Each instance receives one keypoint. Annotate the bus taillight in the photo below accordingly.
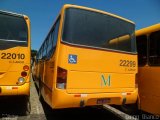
(61, 78)
(26, 68)
(23, 74)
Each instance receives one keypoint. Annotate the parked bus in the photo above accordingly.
(15, 57)
(88, 58)
(148, 46)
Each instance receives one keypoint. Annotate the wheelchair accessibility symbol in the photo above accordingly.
(72, 59)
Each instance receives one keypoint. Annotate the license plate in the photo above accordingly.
(103, 101)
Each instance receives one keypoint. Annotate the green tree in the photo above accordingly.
(33, 53)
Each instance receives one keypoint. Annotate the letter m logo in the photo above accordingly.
(105, 82)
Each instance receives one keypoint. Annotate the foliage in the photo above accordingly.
(33, 53)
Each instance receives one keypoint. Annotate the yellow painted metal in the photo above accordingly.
(148, 80)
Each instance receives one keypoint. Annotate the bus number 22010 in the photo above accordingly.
(12, 56)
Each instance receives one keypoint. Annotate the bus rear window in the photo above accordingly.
(13, 30)
(93, 29)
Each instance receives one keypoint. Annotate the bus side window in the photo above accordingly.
(49, 41)
(44, 50)
(53, 39)
(142, 50)
(55, 36)
(154, 51)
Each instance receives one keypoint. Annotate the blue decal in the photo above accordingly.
(72, 59)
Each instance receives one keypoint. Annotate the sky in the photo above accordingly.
(42, 13)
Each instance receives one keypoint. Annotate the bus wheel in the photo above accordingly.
(130, 108)
(27, 106)
(39, 92)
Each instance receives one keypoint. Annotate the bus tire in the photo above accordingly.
(39, 91)
(26, 106)
(130, 108)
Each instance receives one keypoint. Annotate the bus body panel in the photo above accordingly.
(11, 69)
(65, 100)
(92, 60)
(16, 90)
(148, 82)
(98, 81)
(84, 78)
(148, 30)
(97, 70)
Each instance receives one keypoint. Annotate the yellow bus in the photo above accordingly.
(148, 46)
(15, 57)
(88, 58)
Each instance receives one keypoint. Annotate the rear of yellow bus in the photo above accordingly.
(96, 59)
(14, 55)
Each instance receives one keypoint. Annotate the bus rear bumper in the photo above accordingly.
(15, 90)
(61, 99)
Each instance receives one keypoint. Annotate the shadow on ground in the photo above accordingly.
(11, 107)
(78, 113)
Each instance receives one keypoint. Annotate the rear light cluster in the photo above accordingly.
(21, 79)
(61, 78)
